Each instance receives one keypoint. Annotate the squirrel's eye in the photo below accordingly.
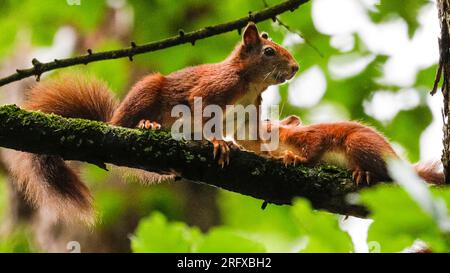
(268, 51)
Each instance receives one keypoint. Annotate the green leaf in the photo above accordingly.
(245, 213)
(425, 78)
(408, 10)
(273, 226)
(406, 128)
(398, 220)
(226, 240)
(155, 234)
(321, 229)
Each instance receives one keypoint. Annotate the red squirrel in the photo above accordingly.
(254, 64)
(350, 145)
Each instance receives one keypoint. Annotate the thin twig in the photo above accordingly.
(298, 33)
(182, 38)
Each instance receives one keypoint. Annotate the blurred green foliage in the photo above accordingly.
(399, 221)
(155, 234)
(407, 10)
(300, 229)
(241, 226)
(17, 240)
(43, 19)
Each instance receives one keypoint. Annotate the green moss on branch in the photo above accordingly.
(95, 142)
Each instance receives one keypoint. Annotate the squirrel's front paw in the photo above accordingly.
(360, 175)
(147, 124)
(222, 149)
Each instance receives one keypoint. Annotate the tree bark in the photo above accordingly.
(98, 143)
(444, 70)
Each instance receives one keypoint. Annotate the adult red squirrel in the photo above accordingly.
(254, 64)
(350, 145)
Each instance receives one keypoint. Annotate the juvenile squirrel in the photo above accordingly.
(254, 64)
(350, 145)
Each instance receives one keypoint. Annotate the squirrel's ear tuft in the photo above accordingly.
(251, 35)
(291, 121)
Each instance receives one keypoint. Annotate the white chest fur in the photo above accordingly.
(337, 158)
(249, 98)
(251, 94)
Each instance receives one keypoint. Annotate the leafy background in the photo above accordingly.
(183, 217)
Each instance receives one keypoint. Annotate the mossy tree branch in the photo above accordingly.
(182, 38)
(98, 143)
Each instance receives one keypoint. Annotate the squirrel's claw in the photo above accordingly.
(222, 150)
(357, 177)
(360, 175)
(215, 148)
(224, 155)
(149, 125)
(290, 158)
(368, 178)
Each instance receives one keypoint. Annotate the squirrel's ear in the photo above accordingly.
(291, 121)
(251, 35)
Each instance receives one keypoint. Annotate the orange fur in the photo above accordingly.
(430, 172)
(73, 96)
(223, 83)
(352, 145)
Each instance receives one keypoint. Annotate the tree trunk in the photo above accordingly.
(444, 70)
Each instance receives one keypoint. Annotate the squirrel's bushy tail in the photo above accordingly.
(430, 172)
(47, 181)
(73, 96)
